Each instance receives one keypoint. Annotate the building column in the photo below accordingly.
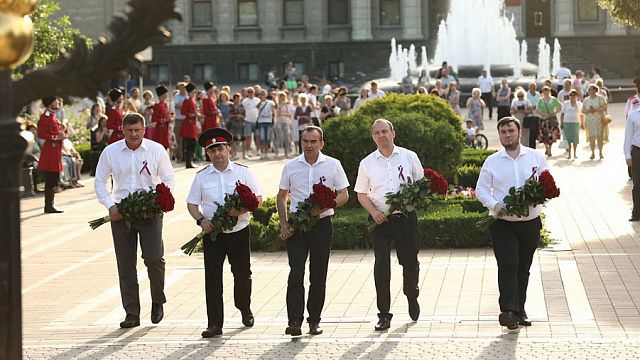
(224, 17)
(614, 29)
(562, 17)
(411, 20)
(361, 19)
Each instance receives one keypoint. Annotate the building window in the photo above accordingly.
(248, 71)
(293, 12)
(587, 10)
(158, 73)
(338, 12)
(389, 12)
(201, 13)
(247, 13)
(202, 71)
(336, 69)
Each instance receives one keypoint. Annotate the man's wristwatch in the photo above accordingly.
(199, 221)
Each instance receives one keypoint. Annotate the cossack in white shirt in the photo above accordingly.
(132, 170)
(298, 178)
(211, 185)
(379, 175)
(632, 126)
(500, 172)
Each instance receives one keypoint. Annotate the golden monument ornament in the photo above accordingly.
(16, 32)
(18, 7)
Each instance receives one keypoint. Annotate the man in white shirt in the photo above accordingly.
(180, 97)
(487, 90)
(381, 172)
(298, 177)
(208, 189)
(375, 92)
(632, 147)
(135, 164)
(251, 112)
(514, 239)
(562, 73)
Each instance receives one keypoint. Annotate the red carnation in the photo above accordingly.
(164, 198)
(247, 196)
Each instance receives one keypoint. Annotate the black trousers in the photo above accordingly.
(488, 101)
(635, 177)
(237, 247)
(503, 111)
(51, 180)
(403, 230)
(514, 243)
(189, 147)
(316, 244)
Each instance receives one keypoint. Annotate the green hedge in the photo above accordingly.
(423, 124)
(467, 175)
(475, 156)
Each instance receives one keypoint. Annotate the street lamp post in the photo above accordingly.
(79, 74)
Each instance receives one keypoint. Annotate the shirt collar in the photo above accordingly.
(321, 157)
(523, 151)
(124, 146)
(396, 150)
(212, 169)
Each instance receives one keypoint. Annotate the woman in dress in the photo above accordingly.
(547, 107)
(423, 79)
(282, 125)
(364, 96)
(476, 106)
(520, 108)
(303, 116)
(453, 96)
(342, 101)
(570, 122)
(223, 107)
(594, 107)
(503, 97)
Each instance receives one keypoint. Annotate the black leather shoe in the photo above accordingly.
(52, 210)
(212, 331)
(157, 313)
(414, 309)
(523, 321)
(508, 319)
(294, 329)
(633, 218)
(247, 318)
(130, 321)
(315, 329)
(383, 324)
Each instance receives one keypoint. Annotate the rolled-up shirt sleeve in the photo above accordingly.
(165, 170)
(416, 167)
(484, 189)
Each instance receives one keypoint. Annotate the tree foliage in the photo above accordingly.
(625, 12)
(53, 35)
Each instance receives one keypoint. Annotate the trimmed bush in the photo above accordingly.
(475, 156)
(424, 124)
(467, 175)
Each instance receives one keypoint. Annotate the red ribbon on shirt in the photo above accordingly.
(401, 174)
(145, 167)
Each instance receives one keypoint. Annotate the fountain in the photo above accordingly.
(471, 46)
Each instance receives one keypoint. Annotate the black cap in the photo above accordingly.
(215, 136)
(114, 94)
(47, 100)
(160, 90)
(190, 87)
(208, 85)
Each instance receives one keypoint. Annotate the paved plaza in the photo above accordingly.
(584, 296)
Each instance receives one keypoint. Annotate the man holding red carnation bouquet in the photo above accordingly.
(382, 172)
(135, 164)
(311, 178)
(208, 191)
(514, 238)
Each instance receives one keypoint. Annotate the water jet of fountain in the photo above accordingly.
(556, 56)
(412, 58)
(543, 59)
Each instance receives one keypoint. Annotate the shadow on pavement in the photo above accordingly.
(291, 348)
(505, 347)
(109, 349)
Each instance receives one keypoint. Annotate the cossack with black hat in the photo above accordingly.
(215, 136)
(115, 94)
(161, 90)
(190, 87)
(208, 85)
(47, 100)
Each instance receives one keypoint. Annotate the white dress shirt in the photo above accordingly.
(298, 178)
(485, 84)
(500, 172)
(377, 94)
(132, 170)
(632, 127)
(379, 175)
(211, 185)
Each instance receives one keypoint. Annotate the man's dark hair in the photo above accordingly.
(506, 120)
(133, 118)
(314, 128)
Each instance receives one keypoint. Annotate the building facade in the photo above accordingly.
(234, 41)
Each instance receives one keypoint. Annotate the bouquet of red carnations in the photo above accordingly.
(535, 191)
(412, 194)
(242, 198)
(321, 198)
(141, 205)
